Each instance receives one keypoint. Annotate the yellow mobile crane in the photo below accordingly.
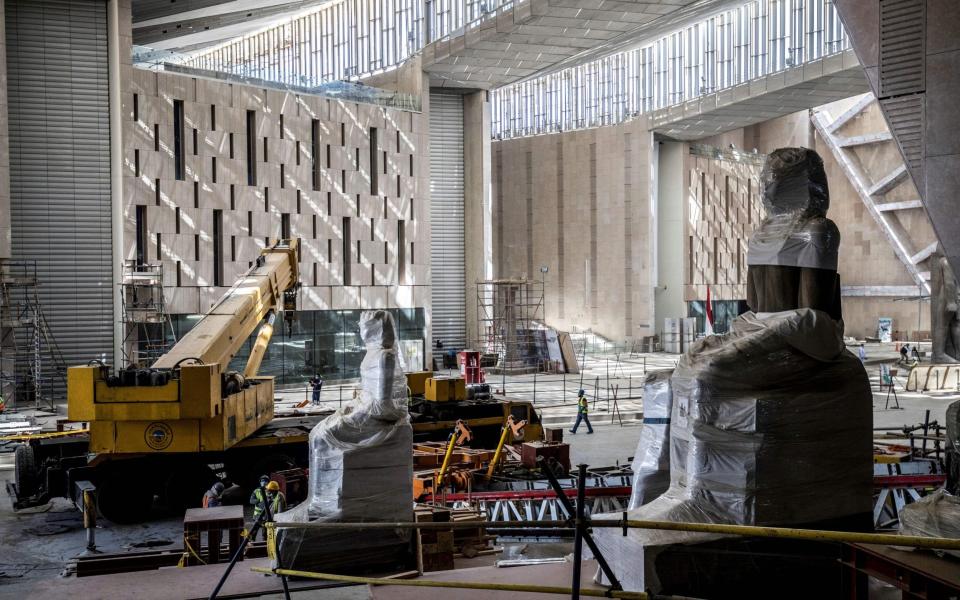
(155, 432)
(189, 401)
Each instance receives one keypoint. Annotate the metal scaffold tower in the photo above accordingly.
(508, 315)
(148, 329)
(32, 369)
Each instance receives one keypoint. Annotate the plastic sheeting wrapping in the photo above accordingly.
(795, 231)
(934, 515)
(953, 426)
(361, 465)
(651, 461)
(770, 425)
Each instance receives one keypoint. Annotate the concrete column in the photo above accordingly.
(424, 174)
(671, 250)
(119, 39)
(478, 205)
(4, 144)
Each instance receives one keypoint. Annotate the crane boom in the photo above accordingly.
(221, 332)
(188, 401)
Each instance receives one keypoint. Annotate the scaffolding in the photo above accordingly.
(32, 369)
(509, 312)
(148, 328)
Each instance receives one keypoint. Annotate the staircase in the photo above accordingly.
(874, 187)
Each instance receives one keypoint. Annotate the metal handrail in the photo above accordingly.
(787, 533)
(462, 585)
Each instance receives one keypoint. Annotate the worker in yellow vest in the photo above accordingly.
(267, 494)
(276, 498)
(582, 410)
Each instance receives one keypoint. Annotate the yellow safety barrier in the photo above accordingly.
(183, 559)
(271, 528)
(23, 437)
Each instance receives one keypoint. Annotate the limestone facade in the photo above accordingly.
(348, 179)
(582, 203)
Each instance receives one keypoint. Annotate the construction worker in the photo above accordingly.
(316, 384)
(268, 492)
(258, 495)
(582, 410)
(214, 496)
(278, 502)
(259, 500)
(904, 354)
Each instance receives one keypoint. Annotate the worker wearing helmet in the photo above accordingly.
(267, 492)
(278, 502)
(582, 409)
(214, 496)
(258, 497)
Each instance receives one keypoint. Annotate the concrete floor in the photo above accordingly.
(38, 543)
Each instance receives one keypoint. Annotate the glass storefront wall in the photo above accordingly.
(724, 312)
(324, 342)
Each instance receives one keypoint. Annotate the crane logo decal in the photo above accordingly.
(158, 435)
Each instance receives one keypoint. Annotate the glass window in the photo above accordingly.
(728, 49)
(319, 342)
(724, 312)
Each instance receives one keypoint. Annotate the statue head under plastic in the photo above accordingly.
(792, 256)
(794, 181)
(378, 329)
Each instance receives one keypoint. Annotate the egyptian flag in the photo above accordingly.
(709, 325)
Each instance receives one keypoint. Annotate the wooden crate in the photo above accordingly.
(213, 521)
(434, 546)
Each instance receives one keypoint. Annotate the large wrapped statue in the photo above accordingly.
(944, 321)
(361, 468)
(771, 423)
(792, 256)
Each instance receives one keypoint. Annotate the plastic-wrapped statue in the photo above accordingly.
(792, 256)
(651, 460)
(778, 389)
(944, 322)
(361, 466)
